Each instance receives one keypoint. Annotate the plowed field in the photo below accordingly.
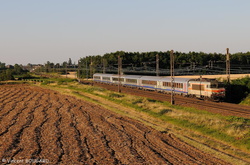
(39, 125)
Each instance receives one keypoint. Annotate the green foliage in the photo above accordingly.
(238, 119)
(45, 82)
(238, 90)
(181, 59)
(18, 69)
(9, 74)
(246, 101)
(116, 95)
(164, 111)
(92, 64)
(6, 75)
(64, 81)
(2, 65)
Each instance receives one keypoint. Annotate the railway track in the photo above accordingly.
(223, 108)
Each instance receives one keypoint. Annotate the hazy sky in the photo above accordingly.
(36, 31)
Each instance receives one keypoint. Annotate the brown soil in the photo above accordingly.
(39, 124)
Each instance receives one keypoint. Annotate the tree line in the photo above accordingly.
(181, 58)
(140, 59)
(9, 73)
(89, 65)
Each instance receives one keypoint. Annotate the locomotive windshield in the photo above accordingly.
(216, 85)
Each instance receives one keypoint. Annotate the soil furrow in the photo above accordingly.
(12, 98)
(124, 141)
(37, 130)
(10, 107)
(17, 137)
(49, 136)
(9, 93)
(7, 107)
(16, 114)
(59, 134)
(74, 125)
(106, 141)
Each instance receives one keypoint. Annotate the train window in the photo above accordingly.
(176, 85)
(180, 85)
(167, 84)
(97, 77)
(117, 79)
(213, 86)
(217, 85)
(198, 87)
(106, 78)
(131, 80)
(220, 85)
(149, 82)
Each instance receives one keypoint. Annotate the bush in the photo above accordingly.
(64, 81)
(116, 95)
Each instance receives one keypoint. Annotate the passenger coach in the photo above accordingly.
(180, 85)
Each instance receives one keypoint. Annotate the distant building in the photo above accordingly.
(32, 67)
(10, 66)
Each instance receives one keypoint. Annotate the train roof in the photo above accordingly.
(116, 75)
(204, 80)
(178, 80)
(103, 74)
(157, 78)
(167, 79)
(152, 78)
(131, 76)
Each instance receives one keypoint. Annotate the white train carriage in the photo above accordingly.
(150, 82)
(126, 80)
(104, 78)
(131, 80)
(180, 85)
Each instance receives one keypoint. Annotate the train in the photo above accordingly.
(204, 88)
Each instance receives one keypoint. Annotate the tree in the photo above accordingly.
(70, 62)
(17, 69)
(2, 65)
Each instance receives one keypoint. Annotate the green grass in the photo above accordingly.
(246, 101)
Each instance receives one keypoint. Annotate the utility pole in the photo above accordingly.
(172, 76)
(157, 65)
(228, 75)
(91, 70)
(228, 66)
(66, 70)
(119, 74)
(78, 71)
(104, 63)
(200, 84)
(86, 69)
(75, 70)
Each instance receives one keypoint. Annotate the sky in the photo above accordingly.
(37, 31)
